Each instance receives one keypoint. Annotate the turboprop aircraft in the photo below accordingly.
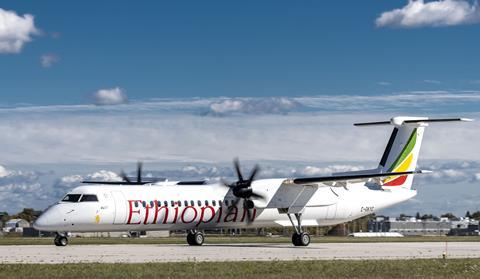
(247, 203)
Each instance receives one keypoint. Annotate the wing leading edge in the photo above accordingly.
(344, 178)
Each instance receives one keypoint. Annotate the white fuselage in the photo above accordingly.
(164, 206)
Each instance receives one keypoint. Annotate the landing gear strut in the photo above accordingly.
(299, 238)
(195, 238)
(60, 240)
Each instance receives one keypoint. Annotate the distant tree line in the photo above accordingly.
(28, 214)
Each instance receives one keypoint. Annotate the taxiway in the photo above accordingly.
(234, 252)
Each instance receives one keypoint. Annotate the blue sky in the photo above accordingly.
(90, 87)
(155, 49)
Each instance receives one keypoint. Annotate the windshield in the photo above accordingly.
(71, 198)
(89, 198)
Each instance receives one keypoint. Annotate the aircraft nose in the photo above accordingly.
(48, 219)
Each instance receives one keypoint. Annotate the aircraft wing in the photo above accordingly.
(347, 177)
(294, 194)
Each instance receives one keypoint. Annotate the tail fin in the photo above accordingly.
(403, 148)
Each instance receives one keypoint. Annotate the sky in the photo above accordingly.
(155, 49)
(88, 88)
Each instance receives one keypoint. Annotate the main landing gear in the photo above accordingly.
(299, 238)
(195, 238)
(60, 240)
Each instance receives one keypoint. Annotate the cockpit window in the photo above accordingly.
(71, 198)
(89, 198)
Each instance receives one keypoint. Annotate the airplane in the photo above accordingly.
(194, 206)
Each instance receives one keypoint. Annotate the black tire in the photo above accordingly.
(61, 241)
(190, 239)
(195, 239)
(296, 239)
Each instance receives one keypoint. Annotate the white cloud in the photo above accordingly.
(68, 182)
(15, 31)
(432, 81)
(253, 106)
(179, 131)
(47, 60)
(112, 96)
(418, 13)
(3, 171)
(384, 83)
(19, 189)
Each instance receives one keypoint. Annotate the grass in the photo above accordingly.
(226, 239)
(455, 268)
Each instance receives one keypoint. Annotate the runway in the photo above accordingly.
(234, 252)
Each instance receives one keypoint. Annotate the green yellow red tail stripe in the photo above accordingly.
(402, 163)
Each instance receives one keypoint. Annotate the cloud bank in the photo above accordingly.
(418, 13)
(453, 186)
(112, 96)
(315, 129)
(253, 105)
(15, 31)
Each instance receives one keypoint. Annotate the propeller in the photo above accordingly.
(128, 180)
(242, 189)
(139, 174)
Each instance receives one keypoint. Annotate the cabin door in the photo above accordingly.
(120, 208)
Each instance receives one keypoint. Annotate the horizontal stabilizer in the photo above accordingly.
(400, 120)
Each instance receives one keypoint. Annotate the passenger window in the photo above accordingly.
(185, 203)
(226, 202)
(179, 203)
(199, 203)
(206, 203)
(89, 198)
(214, 203)
(71, 198)
(165, 203)
(159, 203)
(192, 203)
(144, 203)
(151, 204)
(172, 203)
(136, 203)
(219, 203)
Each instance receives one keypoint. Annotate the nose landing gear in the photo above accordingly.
(60, 240)
(195, 238)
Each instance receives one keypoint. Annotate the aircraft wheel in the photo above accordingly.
(60, 241)
(195, 239)
(296, 239)
(302, 239)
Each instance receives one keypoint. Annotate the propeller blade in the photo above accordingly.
(258, 196)
(139, 172)
(230, 208)
(249, 216)
(125, 177)
(236, 163)
(225, 184)
(254, 173)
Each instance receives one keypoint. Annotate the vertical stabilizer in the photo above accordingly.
(403, 147)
